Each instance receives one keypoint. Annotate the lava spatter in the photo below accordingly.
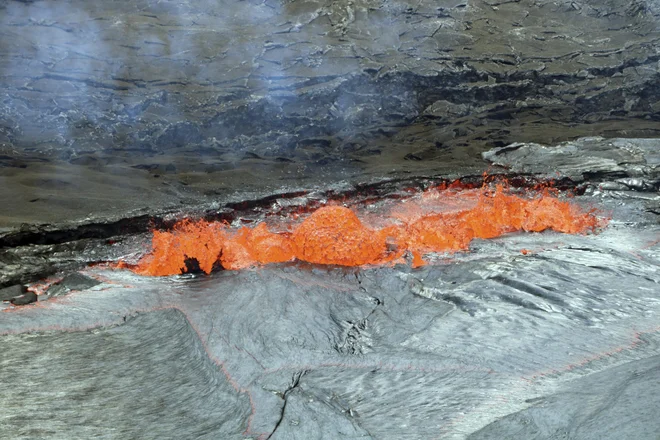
(439, 220)
(335, 235)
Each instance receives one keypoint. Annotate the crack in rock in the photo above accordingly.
(294, 384)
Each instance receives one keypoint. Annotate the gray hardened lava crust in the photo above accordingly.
(148, 378)
(119, 118)
(619, 402)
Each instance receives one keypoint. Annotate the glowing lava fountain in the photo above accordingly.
(437, 220)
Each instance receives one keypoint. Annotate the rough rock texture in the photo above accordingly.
(622, 168)
(632, 164)
(113, 106)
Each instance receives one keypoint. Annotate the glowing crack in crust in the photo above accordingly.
(444, 220)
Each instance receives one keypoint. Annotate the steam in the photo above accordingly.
(149, 76)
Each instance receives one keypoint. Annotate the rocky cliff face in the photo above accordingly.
(214, 96)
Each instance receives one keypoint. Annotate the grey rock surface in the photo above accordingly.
(619, 168)
(149, 378)
(633, 164)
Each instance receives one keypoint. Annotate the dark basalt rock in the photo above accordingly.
(73, 281)
(24, 299)
(11, 292)
(117, 117)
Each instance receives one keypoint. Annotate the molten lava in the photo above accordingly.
(438, 220)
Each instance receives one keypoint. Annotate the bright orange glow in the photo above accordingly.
(440, 220)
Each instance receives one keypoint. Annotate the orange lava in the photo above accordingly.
(441, 220)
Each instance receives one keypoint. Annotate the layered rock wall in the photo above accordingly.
(306, 80)
(207, 97)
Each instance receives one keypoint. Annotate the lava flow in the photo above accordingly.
(439, 220)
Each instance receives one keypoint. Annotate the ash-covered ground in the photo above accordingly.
(561, 340)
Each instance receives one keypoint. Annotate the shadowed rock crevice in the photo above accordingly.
(294, 384)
